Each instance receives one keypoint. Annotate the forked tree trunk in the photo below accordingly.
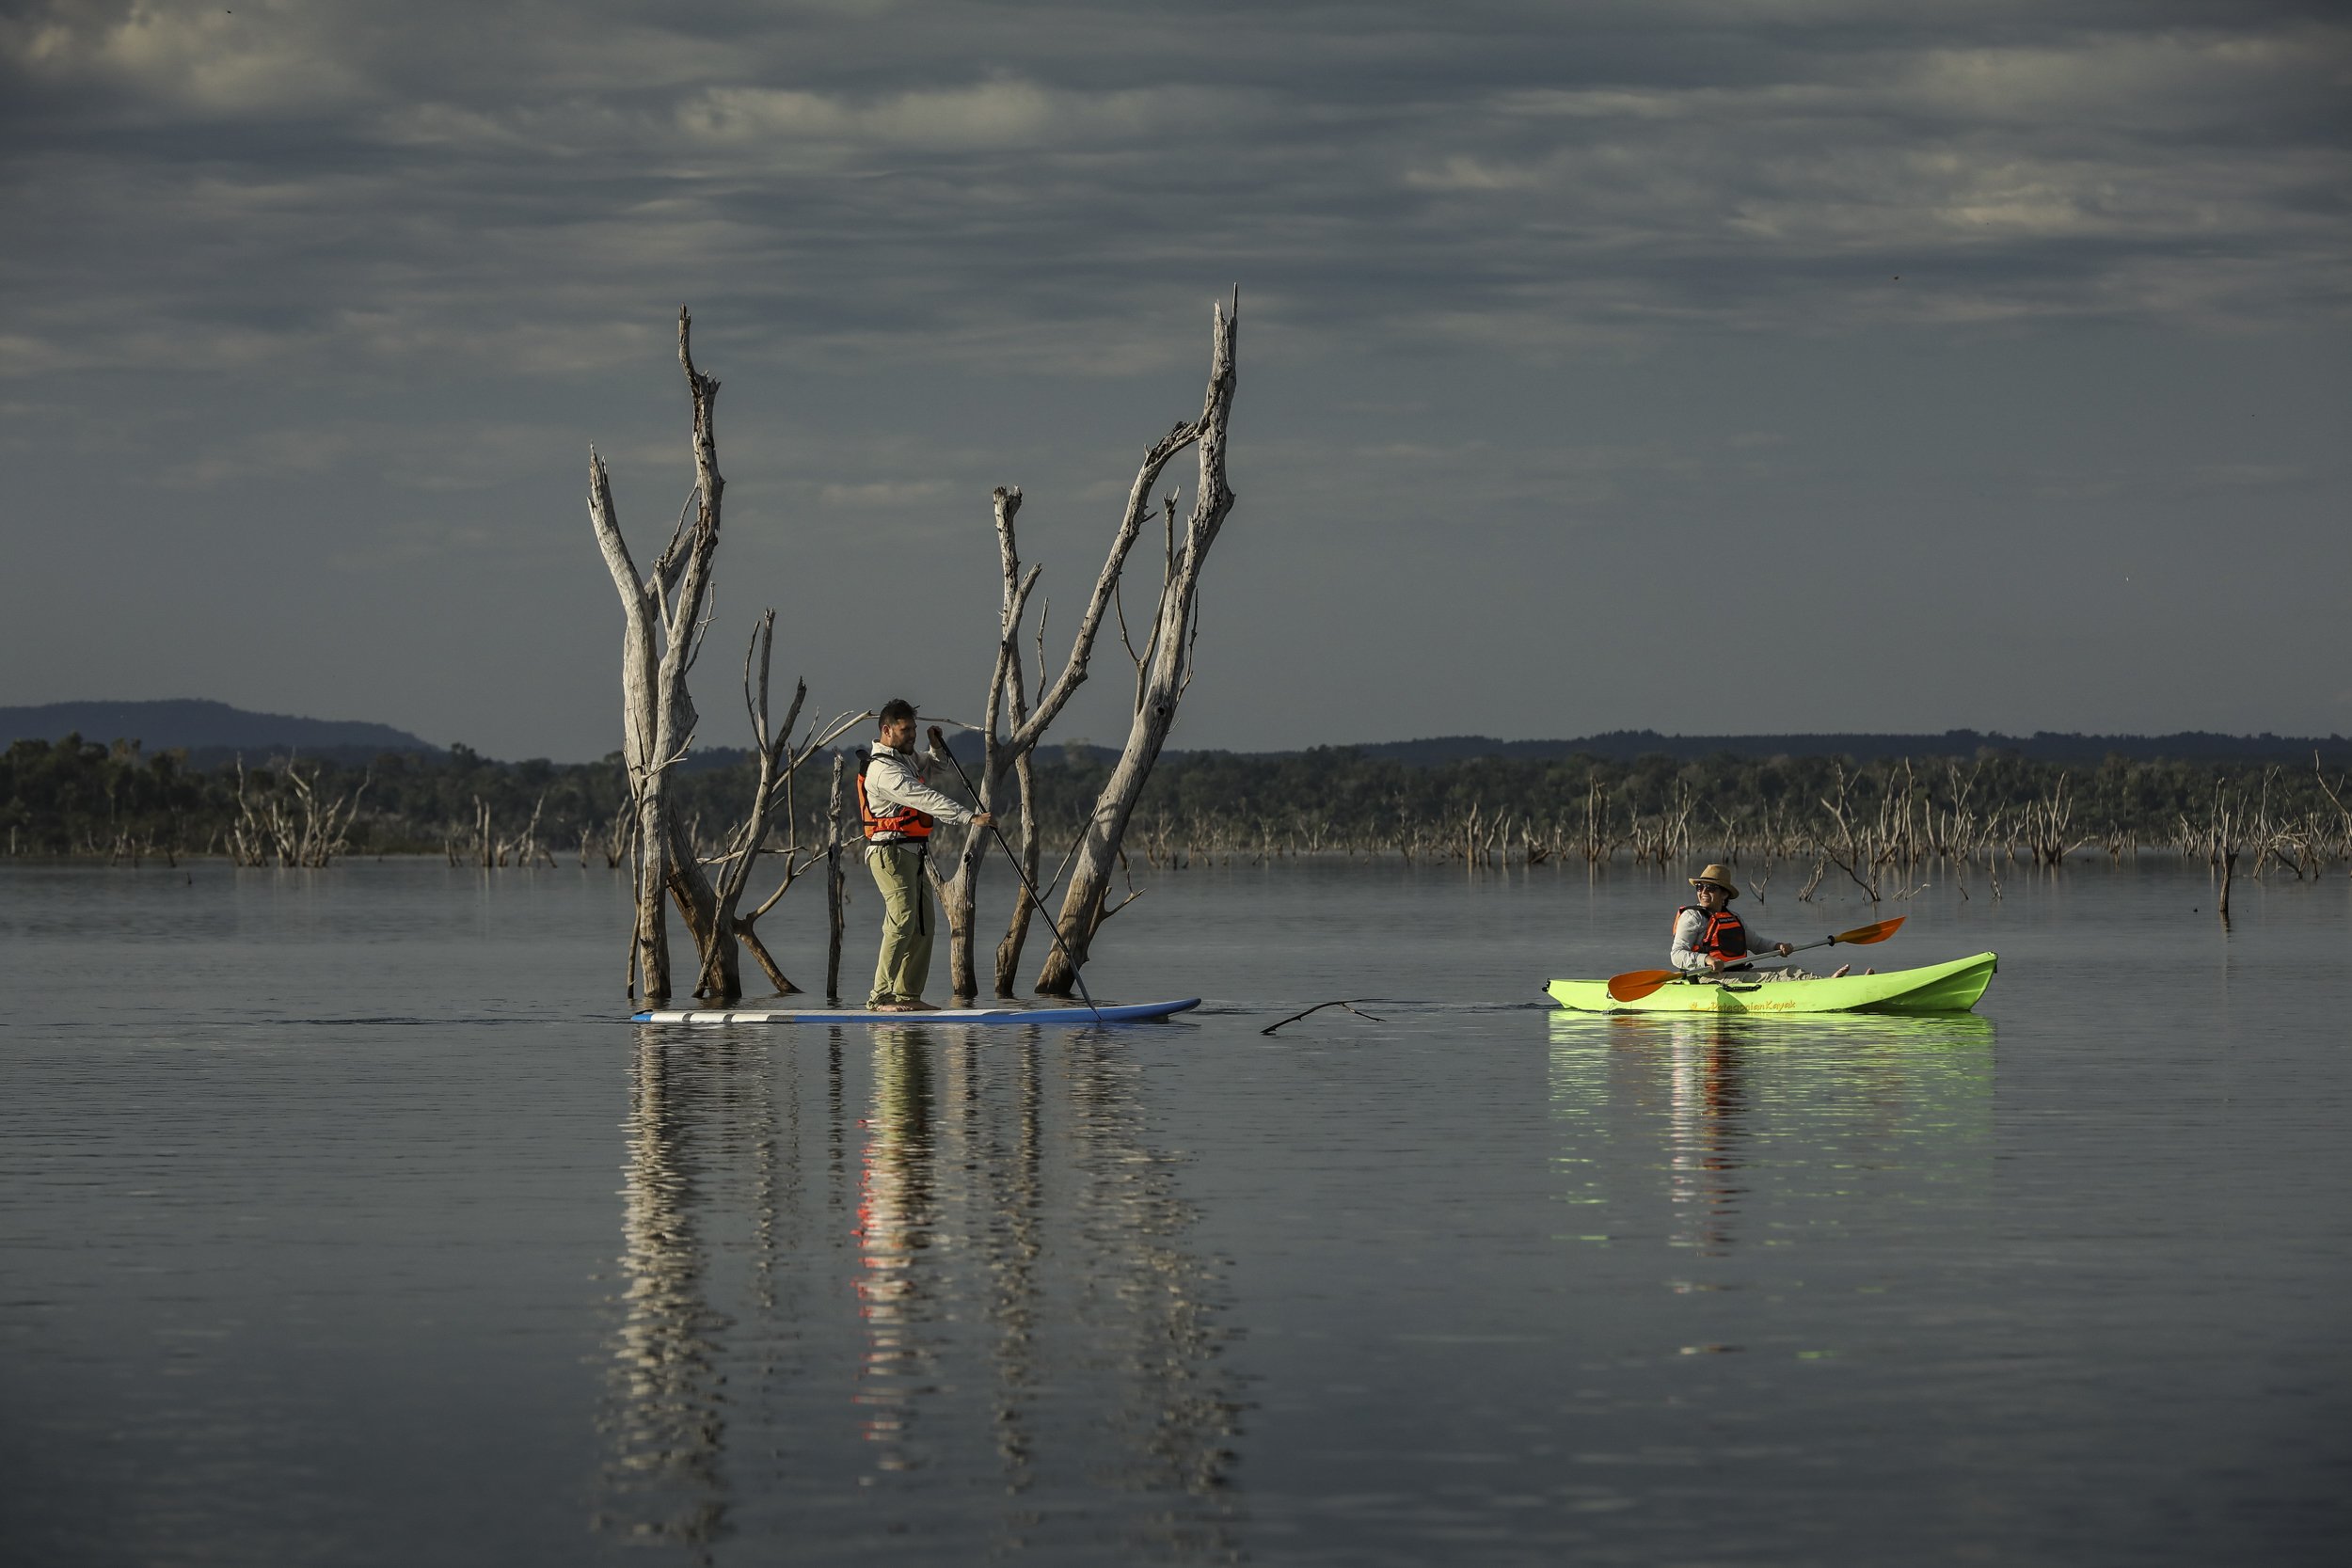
(663, 616)
(958, 891)
(1007, 688)
(1166, 671)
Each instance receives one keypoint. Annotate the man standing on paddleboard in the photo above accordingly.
(897, 809)
(1709, 938)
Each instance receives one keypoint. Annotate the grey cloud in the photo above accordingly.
(899, 176)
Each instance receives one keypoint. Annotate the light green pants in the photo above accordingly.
(1765, 975)
(905, 964)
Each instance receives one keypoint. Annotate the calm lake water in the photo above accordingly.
(344, 1219)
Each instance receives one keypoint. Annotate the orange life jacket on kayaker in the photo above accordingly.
(1723, 937)
(903, 820)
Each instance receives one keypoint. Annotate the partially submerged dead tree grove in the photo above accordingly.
(666, 610)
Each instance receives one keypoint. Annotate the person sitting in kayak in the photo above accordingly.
(1709, 937)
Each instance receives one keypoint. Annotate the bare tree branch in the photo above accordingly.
(1349, 1004)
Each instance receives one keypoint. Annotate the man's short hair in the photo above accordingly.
(897, 709)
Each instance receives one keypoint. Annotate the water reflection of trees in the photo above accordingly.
(988, 1269)
(663, 1425)
(1701, 1097)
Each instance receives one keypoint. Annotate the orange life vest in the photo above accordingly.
(903, 820)
(1723, 937)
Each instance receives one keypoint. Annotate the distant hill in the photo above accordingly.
(209, 733)
(213, 733)
(2041, 746)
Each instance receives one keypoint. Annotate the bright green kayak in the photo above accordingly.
(1945, 988)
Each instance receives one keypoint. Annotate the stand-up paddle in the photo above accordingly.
(1635, 984)
(1052, 928)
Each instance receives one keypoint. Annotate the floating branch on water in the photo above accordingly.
(1349, 1004)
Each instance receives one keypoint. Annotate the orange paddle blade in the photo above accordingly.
(1636, 984)
(1876, 931)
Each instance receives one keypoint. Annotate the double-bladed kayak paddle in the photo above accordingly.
(1635, 984)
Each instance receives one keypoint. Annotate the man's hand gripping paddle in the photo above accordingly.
(939, 742)
(1635, 984)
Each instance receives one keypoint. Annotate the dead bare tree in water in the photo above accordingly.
(778, 762)
(1165, 665)
(615, 841)
(773, 803)
(2046, 820)
(1666, 840)
(2342, 846)
(1004, 753)
(666, 612)
(2228, 826)
(1849, 854)
(311, 832)
(664, 618)
(1595, 840)
(490, 850)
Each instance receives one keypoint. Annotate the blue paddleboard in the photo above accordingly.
(1128, 1012)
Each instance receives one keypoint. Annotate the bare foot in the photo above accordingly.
(899, 1008)
(1842, 970)
(1869, 971)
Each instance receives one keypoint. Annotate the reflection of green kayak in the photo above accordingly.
(1945, 988)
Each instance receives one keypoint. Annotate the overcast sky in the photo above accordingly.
(1697, 365)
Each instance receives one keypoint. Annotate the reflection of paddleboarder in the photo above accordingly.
(896, 810)
(1709, 937)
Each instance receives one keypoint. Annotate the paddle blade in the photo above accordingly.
(1876, 931)
(1635, 984)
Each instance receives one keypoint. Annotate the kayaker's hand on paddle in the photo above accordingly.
(984, 819)
(1782, 948)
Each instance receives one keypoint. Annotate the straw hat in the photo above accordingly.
(1720, 877)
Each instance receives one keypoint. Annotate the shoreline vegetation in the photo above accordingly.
(1869, 823)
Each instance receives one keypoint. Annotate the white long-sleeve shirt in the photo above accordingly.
(1690, 922)
(895, 778)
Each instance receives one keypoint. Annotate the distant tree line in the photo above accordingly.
(1831, 809)
(73, 797)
